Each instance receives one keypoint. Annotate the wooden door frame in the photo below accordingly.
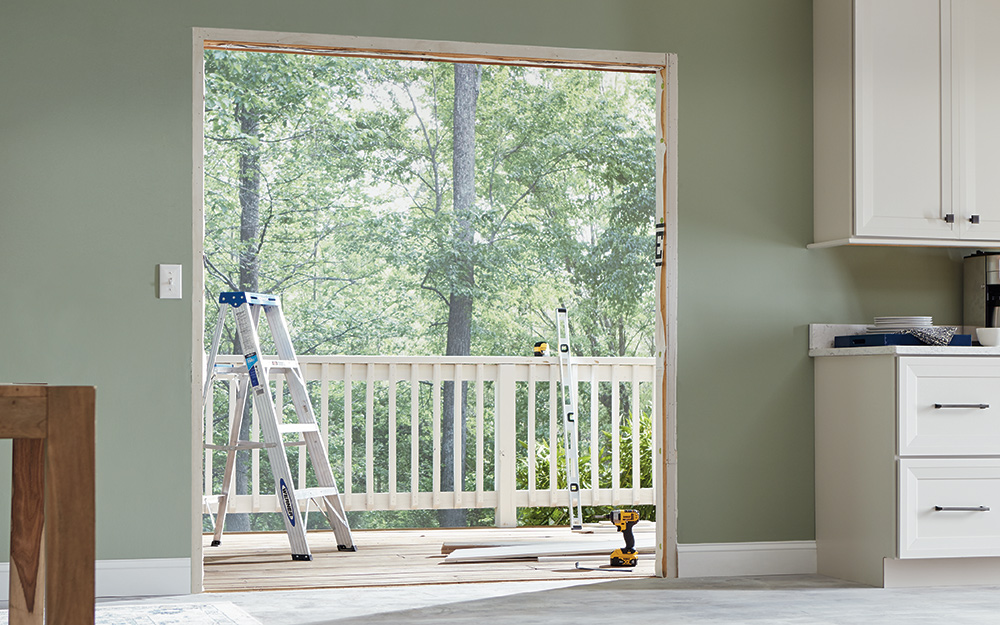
(663, 65)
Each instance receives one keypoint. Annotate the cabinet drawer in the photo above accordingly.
(949, 406)
(949, 507)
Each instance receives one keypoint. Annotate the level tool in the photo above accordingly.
(570, 432)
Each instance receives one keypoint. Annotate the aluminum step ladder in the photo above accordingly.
(570, 433)
(252, 377)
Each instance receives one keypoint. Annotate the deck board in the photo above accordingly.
(261, 561)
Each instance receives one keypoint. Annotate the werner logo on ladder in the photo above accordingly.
(253, 377)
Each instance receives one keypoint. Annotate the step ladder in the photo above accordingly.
(570, 433)
(252, 379)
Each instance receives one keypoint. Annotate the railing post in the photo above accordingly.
(505, 479)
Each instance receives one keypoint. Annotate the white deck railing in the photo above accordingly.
(513, 419)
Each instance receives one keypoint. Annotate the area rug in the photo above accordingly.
(217, 613)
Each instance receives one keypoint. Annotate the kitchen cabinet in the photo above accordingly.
(908, 469)
(975, 51)
(906, 122)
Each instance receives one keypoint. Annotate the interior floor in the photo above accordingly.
(776, 600)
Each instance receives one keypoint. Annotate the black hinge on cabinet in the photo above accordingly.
(950, 218)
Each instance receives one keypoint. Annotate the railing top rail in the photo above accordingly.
(464, 360)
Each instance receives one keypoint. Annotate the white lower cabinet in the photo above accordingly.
(908, 469)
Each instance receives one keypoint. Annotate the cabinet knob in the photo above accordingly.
(974, 219)
(950, 218)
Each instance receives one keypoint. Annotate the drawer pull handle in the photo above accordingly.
(980, 406)
(963, 508)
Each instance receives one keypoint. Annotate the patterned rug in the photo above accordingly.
(216, 613)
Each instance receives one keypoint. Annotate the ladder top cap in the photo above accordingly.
(238, 298)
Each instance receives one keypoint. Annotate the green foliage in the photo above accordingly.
(543, 458)
(352, 162)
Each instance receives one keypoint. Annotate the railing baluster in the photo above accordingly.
(636, 424)
(554, 408)
(254, 457)
(348, 432)
(615, 436)
(480, 433)
(532, 482)
(370, 437)
(436, 455)
(392, 436)
(457, 448)
(595, 430)
(414, 435)
(324, 405)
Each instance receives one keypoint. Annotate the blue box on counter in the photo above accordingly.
(881, 340)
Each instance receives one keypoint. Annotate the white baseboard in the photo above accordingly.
(130, 578)
(729, 559)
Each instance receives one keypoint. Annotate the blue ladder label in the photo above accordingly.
(252, 359)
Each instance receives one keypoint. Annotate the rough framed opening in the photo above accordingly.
(662, 65)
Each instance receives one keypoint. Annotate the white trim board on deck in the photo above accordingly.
(644, 543)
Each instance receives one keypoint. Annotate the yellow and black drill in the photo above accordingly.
(624, 520)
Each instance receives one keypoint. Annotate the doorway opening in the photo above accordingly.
(390, 188)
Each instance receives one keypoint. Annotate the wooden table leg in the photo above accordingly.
(69, 506)
(27, 515)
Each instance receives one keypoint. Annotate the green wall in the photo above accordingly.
(95, 190)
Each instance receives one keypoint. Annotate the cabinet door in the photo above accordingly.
(899, 188)
(949, 507)
(976, 110)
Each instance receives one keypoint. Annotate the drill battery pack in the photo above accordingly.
(622, 557)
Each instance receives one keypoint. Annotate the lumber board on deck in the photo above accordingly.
(643, 544)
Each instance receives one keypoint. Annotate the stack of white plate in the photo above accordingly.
(885, 325)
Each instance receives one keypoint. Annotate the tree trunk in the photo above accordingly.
(460, 300)
(249, 181)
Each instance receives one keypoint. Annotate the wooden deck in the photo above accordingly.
(261, 561)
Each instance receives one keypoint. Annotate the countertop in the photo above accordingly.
(821, 344)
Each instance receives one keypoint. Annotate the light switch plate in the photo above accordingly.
(170, 281)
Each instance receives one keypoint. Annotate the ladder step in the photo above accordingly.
(316, 492)
(288, 428)
(269, 364)
(284, 365)
(251, 445)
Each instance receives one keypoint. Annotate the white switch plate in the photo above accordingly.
(170, 281)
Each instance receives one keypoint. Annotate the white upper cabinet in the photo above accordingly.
(899, 190)
(975, 53)
(907, 122)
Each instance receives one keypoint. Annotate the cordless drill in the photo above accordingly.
(624, 520)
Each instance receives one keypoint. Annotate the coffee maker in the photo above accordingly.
(982, 291)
